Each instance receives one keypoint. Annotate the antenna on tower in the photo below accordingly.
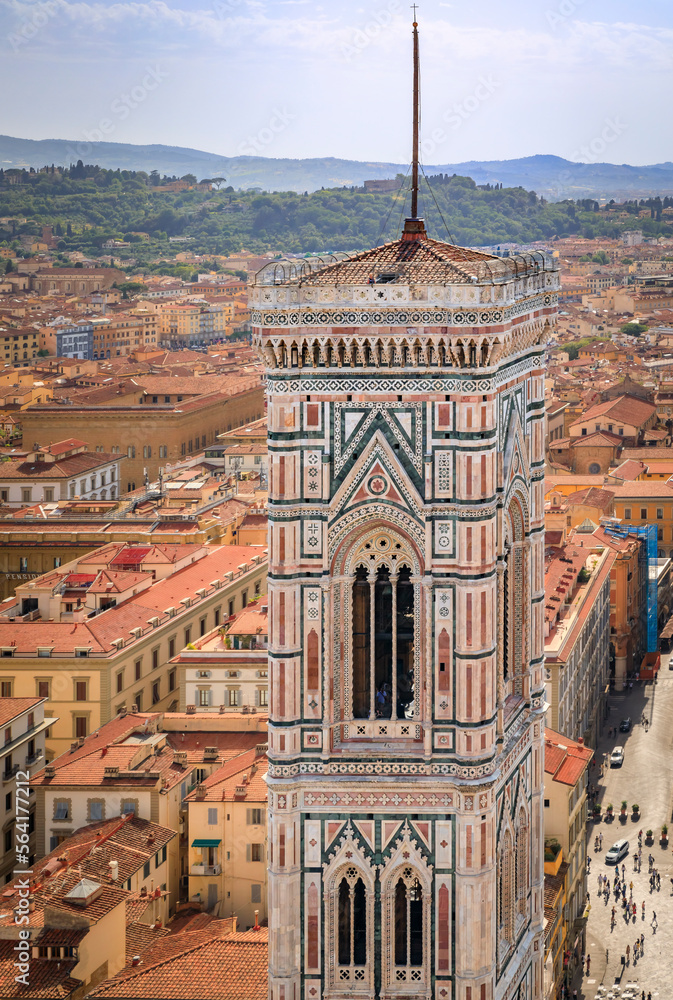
(413, 226)
(414, 162)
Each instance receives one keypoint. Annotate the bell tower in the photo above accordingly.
(406, 587)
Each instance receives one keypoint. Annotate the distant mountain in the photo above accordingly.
(550, 176)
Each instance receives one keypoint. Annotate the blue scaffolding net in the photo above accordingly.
(648, 533)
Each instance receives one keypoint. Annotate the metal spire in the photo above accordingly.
(414, 227)
(414, 167)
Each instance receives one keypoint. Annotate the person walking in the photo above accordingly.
(643, 906)
(600, 841)
(628, 953)
(588, 964)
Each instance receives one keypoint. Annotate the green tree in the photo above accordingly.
(633, 329)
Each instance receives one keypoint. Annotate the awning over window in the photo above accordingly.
(206, 843)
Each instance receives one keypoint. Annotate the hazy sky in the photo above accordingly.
(585, 79)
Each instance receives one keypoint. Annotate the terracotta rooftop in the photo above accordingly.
(98, 633)
(217, 969)
(628, 409)
(62, 468)
(119, 742)
(246, 771)
(12, 708)
(628, 470)
(564, 759)
(592, 497)
(407, 261)
(48, 980)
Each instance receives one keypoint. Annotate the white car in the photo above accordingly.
(617, 852)
(617, 757)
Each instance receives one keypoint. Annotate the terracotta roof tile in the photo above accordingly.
(628, 409)
(49, 980)
(218, 969)
(247, 772)
(592, 497)
(565, 759)
(413, 261)
(11, 708)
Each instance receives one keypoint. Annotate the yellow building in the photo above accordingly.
(77, 925)
(555, 930)
(228, 840)
(184, 324)
(97, 634)
(565, 819)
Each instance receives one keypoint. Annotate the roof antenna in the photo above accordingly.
(413, 226)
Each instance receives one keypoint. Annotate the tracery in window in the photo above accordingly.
(506, 892)
(408, 920)
(352, 920)
(522, 863)
(386, 599)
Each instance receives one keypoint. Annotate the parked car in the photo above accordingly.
(617, 852)
(617, 757)
(625, 725)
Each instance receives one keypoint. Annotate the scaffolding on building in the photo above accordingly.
(648, 534)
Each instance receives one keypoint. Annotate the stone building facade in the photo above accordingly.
(150, 436)
(406, 592)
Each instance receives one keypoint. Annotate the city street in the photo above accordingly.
(644, 778)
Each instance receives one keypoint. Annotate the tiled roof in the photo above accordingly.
(142, 938)
(628, 409)
(553, 884)
(247, 771)
(564, 759)
(250, 621)
(218, 969)
(415, 261)
(11, 708)
(643, 489)
(116, 583)
(628, 470)
(599, 439)
(48, 980)
(592, 497)
(119, 741)
(115, 622)
(61, 446)
(74, 465)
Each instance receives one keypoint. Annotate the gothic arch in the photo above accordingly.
(349, 881)
(406, 900)
(514, 596)
(380, 649)
(506, 915)
(522, 874)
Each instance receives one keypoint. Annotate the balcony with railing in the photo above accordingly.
(201, 869)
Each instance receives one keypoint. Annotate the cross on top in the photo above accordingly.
(414, 7)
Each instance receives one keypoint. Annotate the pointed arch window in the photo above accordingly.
(408, 925)
(506, 890)
(351, 927)
(383, 643)
(522, 864)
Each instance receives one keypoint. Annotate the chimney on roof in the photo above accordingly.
(581, 741)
